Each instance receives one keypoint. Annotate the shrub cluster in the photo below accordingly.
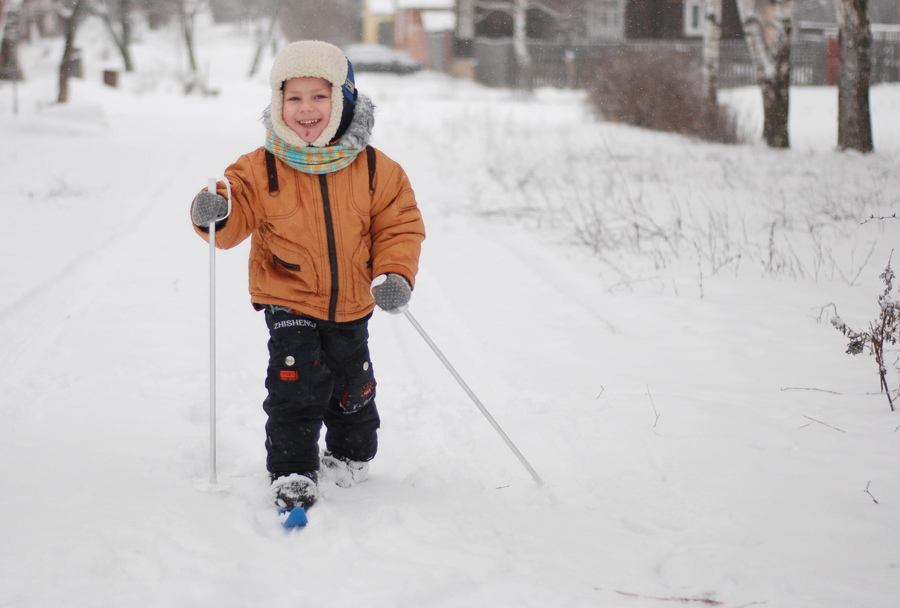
(659, 90)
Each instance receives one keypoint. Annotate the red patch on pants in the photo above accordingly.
(367, 390)
(289, 375)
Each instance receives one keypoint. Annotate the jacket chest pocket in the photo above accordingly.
(287, 273)
(277, 261)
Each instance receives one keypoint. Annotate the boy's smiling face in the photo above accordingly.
(306, 108)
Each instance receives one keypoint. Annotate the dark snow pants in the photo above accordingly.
(319, 371)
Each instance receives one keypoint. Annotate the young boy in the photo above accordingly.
(326, 214)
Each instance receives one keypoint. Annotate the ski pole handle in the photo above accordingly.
(212, 185)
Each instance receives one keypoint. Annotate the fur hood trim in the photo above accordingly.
(309, 58)
(358, 134)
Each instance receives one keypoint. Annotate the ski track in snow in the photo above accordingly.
(676, 433)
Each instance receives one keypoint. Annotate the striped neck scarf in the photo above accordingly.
(311, 159)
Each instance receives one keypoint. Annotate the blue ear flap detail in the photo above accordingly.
(349, 86)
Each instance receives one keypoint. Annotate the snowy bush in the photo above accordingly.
(659, 91)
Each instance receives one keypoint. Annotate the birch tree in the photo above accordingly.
(772, 64)
(264, 40)
(712, 34)
(12, 26)
(520, 45)
(188, 10)
(465, 19)
(855, 40)
(116, 15)
(71, 14)
(518, 10)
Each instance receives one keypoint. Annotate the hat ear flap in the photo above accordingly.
(349, 86)
(346, 118)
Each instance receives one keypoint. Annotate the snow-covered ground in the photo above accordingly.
(644, 314)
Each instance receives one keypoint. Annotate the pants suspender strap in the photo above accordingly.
(370, 159)
(272, 173)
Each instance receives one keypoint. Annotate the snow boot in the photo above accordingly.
(294, 490)
(345, 473)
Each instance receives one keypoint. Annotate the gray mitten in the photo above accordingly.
(392, 292)
(207, 208)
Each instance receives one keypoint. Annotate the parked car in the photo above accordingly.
(378, 58)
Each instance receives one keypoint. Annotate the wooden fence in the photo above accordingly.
(562, 65)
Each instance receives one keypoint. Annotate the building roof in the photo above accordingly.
(439, 21)
(427, 4)
(381, 7)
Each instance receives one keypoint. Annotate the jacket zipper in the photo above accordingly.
(332, 249)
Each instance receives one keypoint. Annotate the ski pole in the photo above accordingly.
(212, 186)
(475, 400)
(212, 343)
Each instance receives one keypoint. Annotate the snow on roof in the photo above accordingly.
(381, 7)
(439, 21)
(427, 4)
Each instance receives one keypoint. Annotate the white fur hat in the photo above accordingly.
(316, 59)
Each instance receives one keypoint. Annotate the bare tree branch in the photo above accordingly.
(820, 422)
(803, 388)
(870, 494)
(700, 600)
(654, 407)
(893, 216)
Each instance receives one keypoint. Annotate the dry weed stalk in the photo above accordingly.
(638, 219)
(884, 330)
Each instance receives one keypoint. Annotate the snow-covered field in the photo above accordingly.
(645, 315)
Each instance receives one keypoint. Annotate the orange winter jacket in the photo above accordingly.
(317, 242)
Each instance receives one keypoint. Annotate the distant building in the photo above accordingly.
(424, 29)
(676, 19)
(378, 22)
(815, 20)
(605, 20)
